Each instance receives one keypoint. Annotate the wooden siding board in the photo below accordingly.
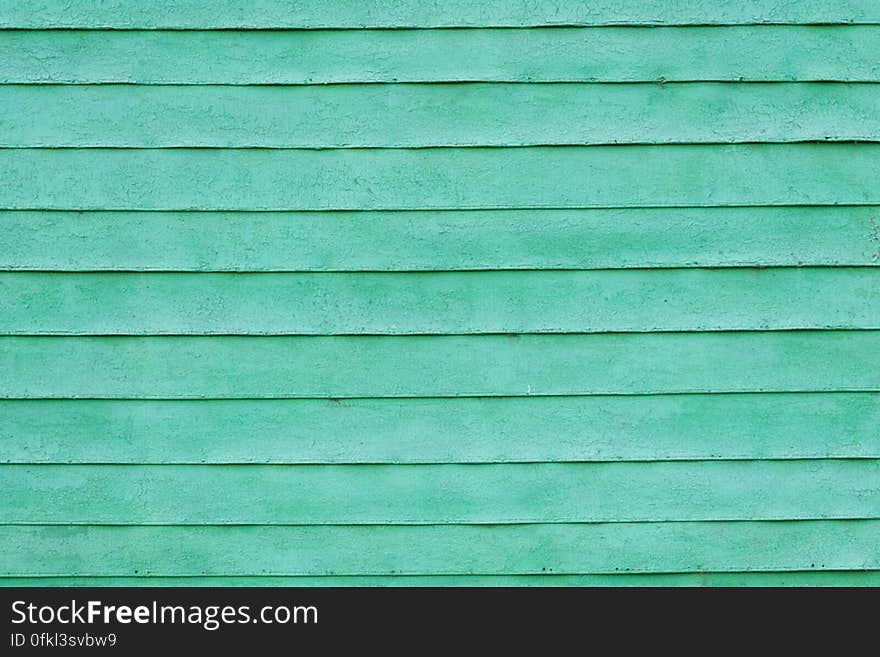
(823, 578)
(444, 241)
(601, 548)
(437, 303)
(382, 179)
(311, 14)
(333, 116)
(467, 430)
(447, 366)
(439, 494)
(607, 54)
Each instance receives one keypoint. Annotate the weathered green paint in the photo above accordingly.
(445, 241)
(447, 366)
(198, 14)
(439, 178)
(440, 306)
(659, 547)
(607, 54)
(467, 430)
(378, 115)
(793, 578)
(635, 300)
(439, 494)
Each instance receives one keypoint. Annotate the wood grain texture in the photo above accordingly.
(441, 549)
(607, 54)
(439, 494)
(469, 430)
(862, 578)
(126, 14)
(446, 240)
(379, 115)
(447, 366)
(383, 179)
(328, 294)
(438, 303)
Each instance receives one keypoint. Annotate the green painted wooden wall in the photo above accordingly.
(416, 293)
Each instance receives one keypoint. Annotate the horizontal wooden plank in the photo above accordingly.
(606, 54)
(441, 549)
(446, 240)
(400, 179)
(437, 303)
(793, 578)
(439, 494)
(474, 430)
(196, 14)
(396, 115)
(426, 366)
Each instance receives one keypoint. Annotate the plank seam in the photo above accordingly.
(286, 464)
(529, 523)
(341, 398)
(103, 27)
(148, 211)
